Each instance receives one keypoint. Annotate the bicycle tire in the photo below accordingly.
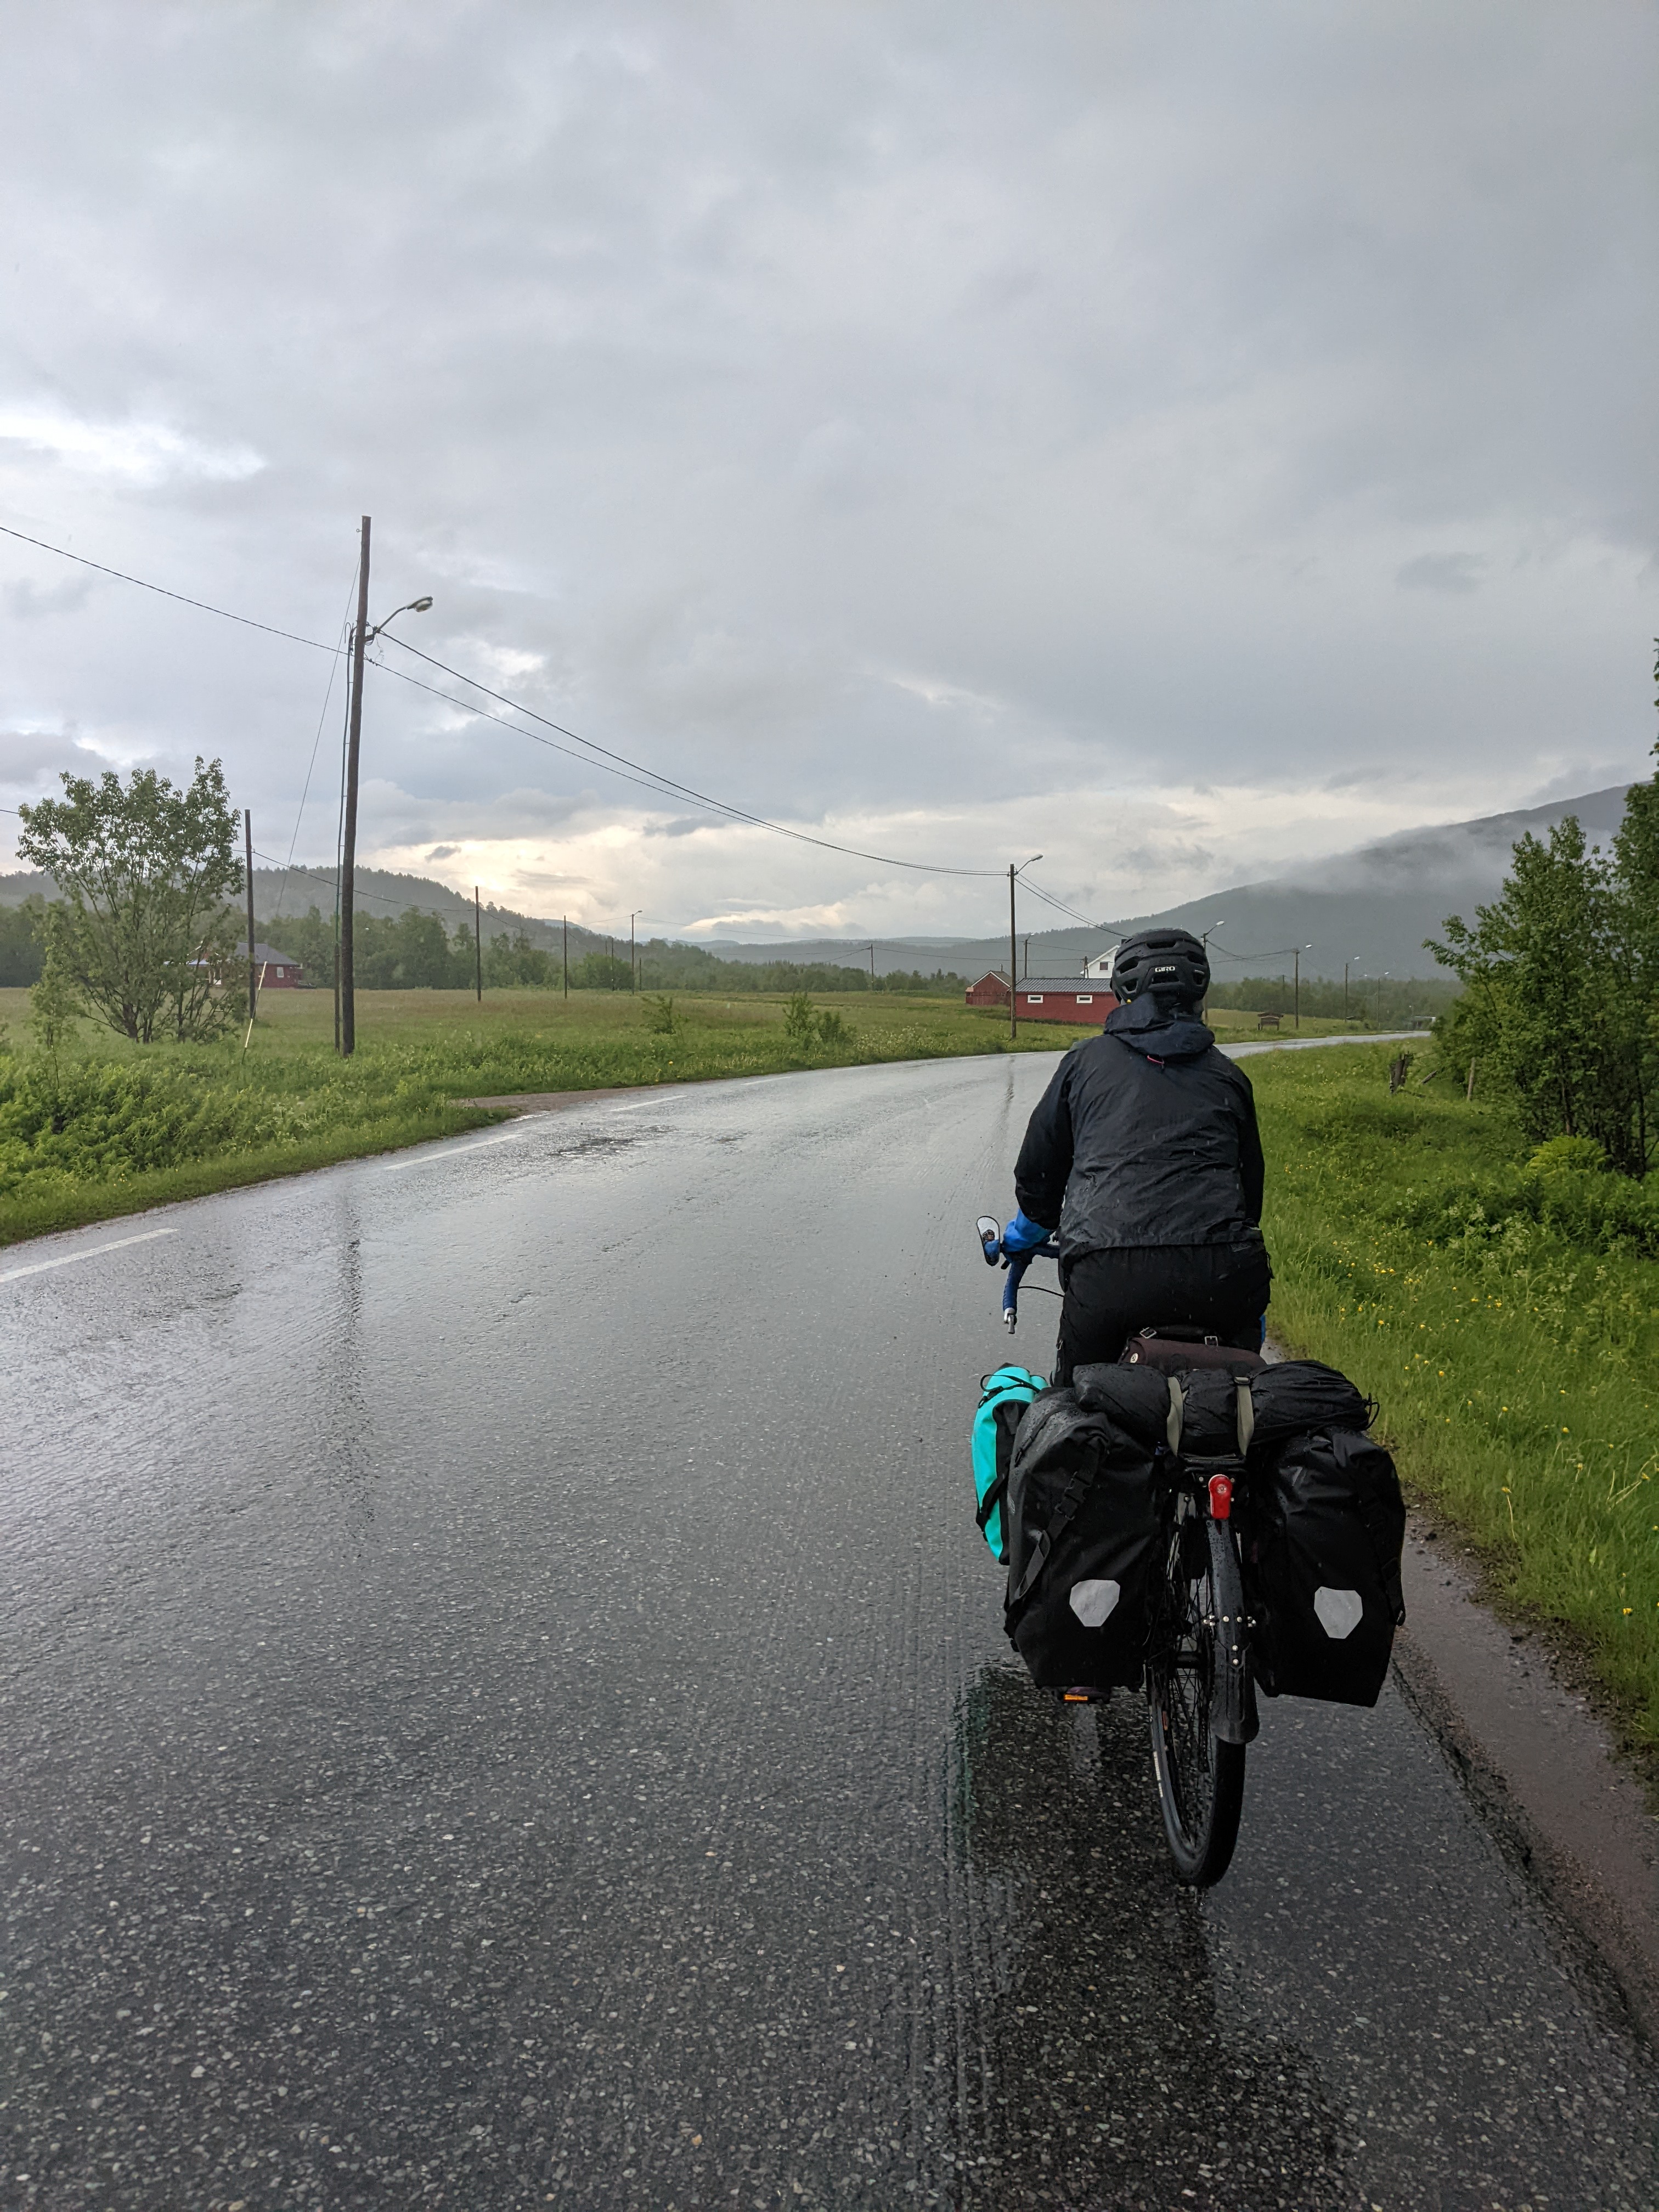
(1200, 1780)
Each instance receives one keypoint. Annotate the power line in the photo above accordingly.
(293, 868)
(183, 597)
(1060, 906)
(305, 791)
(650, 779)
(666, 785)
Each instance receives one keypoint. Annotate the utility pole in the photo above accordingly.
(349, 844)
(477, 941)
(1013, 972)
(1013, 947)
(872, 965)
(1296, 1001)
(1025, 960)
(566, 956)
(1345, 990)
(633, 983)
(253, 969)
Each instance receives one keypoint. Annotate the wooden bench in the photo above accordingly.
(1268, 1021)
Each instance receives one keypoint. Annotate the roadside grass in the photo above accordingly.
(1505, 1315)
(1232, 1025)
(111, 1128)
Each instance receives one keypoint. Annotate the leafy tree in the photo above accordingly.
(599, 971)
(23, 948)
(1636, 866)
(144, 932)
(513, 962)
(1553, 1006)
(53, 1005)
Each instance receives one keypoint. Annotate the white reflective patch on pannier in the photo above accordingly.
(1092, 1602)
(1339, 1612)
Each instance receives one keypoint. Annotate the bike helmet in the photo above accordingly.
(1169, 962)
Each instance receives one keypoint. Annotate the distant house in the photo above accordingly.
(991, 990)
(279, 971)
(1075, 999)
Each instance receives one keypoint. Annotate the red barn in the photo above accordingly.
(279, 971)
(1082, 1000)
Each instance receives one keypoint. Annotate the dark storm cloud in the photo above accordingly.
(944, 425)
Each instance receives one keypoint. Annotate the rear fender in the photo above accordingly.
(1233, 1717)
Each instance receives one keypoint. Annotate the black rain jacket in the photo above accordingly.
(1147, 1136)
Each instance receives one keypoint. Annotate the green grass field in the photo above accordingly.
(116, 1127)
(1505, 1317)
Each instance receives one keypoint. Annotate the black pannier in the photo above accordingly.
(1082, 1519)
(1326, 1523)
(1319, 1513)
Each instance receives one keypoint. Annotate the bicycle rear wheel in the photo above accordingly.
(1200, 1780)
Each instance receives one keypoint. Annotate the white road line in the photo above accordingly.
(91, 1252)
(435, 1159)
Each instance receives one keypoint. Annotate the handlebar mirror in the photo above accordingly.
(990, 1238)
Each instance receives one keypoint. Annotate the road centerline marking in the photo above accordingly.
(435, 1159)
(91, 1252)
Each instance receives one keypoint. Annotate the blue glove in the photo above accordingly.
(1023, 1235)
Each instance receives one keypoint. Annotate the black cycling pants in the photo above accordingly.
(1111, 1296)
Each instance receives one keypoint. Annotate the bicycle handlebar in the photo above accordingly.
(1016, 1263)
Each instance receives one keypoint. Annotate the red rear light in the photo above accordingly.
(1221, 1497)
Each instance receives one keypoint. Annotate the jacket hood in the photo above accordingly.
(1161, 1032)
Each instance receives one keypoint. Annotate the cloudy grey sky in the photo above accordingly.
(1182, 440)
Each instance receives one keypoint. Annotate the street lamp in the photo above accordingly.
(1298, 949)
(345, 992)
(1203, 1011)
(1013, 948)
(409, 607)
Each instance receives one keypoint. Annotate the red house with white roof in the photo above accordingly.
(1082, 1000)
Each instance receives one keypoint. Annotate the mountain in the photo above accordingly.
(380, 891)
(1371, 908)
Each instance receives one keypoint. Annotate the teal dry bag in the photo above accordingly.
(1004, 1397)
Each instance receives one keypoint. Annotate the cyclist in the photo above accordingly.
(1144, 1153)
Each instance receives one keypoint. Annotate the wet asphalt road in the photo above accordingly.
(504, 1704)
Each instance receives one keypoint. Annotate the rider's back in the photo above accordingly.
(1148, 1135)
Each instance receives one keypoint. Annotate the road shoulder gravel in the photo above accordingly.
(1537, 1762)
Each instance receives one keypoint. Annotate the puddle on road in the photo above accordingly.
(1093, 2061)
